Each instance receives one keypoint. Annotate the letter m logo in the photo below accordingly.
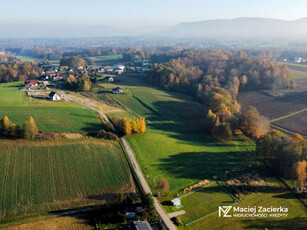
(224, 210)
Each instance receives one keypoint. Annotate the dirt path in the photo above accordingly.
(174, 214)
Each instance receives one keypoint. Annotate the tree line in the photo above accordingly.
(287, 155)
(8, 129)
(215, 78)
(19, 71)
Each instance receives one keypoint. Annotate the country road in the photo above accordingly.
(136, 167)
(144, 184)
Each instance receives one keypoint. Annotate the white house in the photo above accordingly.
(119, 66)
(53, 96)
(176, 202)
(109, 79)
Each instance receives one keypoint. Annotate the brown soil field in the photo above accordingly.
(298, 67)
(296, 123)
(273, 107)
(301, 82)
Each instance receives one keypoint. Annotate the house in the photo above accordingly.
(176, 202)
(141, 225)
(53, 96)
(101, 70)
(130, 215)
(118, 90)
(30, 83)
(58, 77)
(119, 67)
(109, 79)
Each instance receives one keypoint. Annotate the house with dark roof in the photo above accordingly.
(53, 96)
(118, 90)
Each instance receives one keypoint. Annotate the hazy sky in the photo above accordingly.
(131, 13)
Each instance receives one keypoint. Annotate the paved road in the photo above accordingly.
(144, 184)
(135, 165)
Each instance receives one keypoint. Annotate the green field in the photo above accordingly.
(49, 116)
(107, 59)
(175, 145)
(42, 176)
(296, 218)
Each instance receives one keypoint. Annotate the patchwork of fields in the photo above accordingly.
(286, 110)
(48, 115)
(42, 176)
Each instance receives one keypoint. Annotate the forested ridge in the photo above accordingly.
(215, 78)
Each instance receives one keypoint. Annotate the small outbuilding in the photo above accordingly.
(176, 202)
(118, 90)
(109, 79)
(53, 96)
(141, 225)
(130, 215)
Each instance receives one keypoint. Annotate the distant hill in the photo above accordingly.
(240, 28)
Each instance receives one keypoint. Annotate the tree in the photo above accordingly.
(162, 186)
(210, 120)
(252, 124)
(6, 124)
(84, 84)
(30, 129)
(301, 173)
(222, 132)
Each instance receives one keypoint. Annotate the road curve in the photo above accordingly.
(136, 167)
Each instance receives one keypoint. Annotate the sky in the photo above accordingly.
(135, 13)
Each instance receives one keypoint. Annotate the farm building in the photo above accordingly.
(30, 83)
(130, 215)
(176, 202)
(118, 90)
(141, 225)
(53, 96)
(109, 79)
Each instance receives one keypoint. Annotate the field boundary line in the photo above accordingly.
(285, 130)
(197, 190)
(288, 115)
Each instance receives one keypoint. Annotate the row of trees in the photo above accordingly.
(9, 129)
(19, 71)
(287, 155)
(129, 126)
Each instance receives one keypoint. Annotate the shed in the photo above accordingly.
(176, 202)
(142, 225)
(130, 215)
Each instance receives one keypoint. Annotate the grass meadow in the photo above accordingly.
(44, 176)
(48, 115)
(175, 145)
